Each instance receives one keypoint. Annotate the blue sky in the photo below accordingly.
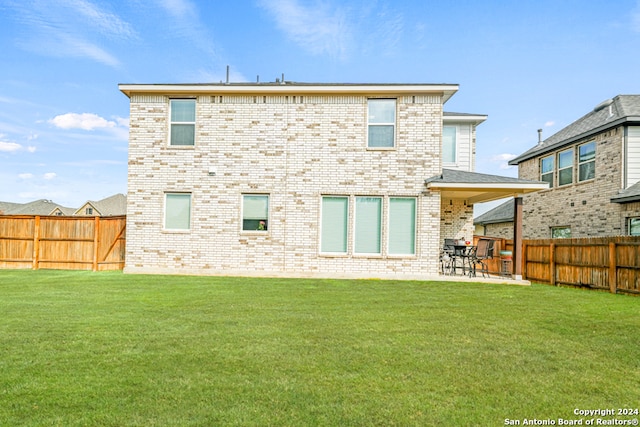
(526, 64)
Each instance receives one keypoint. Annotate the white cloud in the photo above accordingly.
(320, 28)
(85, 121)
(25, 175)
(9, 147)
(49, 175)
(503, 160)
(31, 149)
(549, 123)
(70, 28)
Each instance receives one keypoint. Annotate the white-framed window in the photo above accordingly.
(449, 144)
(177, 211)
(634, 226)
(561, 232)
(565, 167)
(382, 123)
(587, 161)
(402, 226)
(255, 212)
(547, 169)
(88, 211)
(368, 225)
(183, 122)
(334, 224)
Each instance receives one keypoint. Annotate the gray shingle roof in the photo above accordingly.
(452, 176)
(37, 207)
(608, 114)
(631, 194)
(501, 213)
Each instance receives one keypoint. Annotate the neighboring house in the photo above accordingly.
(497, 222)
(111, 206)
(294, 179)
(37, 207)
(115, 205)
(593, 169)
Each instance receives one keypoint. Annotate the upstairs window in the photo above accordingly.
(255, 212)
(449, 147)
(547, 170)
(565, 167)
(382, 123)
(183, 122)
(587, 161)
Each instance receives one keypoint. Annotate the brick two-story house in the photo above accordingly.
(593, 170)
(292, 179)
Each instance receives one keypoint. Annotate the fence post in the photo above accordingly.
(96, 240)
(36, 243)
(613, 273)
(524, 260)
(552, 264)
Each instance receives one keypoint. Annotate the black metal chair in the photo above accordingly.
(482, 253)
(447, 257)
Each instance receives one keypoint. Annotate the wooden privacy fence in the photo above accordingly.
(607, 263)
(66, 243)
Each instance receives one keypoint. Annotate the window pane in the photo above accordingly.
(368, 222)
(547, 165)
(380, 136)
(183, 110)
(255, 212)
(634, 226)
(548, 177)
(565, 159)
(182, 134)
(402, 226)
(587, 152)
(565, 176)
(449, 144)
(382, 111)
(177, 212)
(335, 214)
(587, 171)
(561, 232)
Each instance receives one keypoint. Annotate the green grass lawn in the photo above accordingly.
(107, 349)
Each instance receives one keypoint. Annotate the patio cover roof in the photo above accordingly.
(478, 187)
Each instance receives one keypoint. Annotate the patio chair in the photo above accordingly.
(483, 252)
(447, 257)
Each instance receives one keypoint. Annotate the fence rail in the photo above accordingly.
(57, 242)
(603, 263)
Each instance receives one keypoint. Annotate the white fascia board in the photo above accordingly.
(475, 119)
(447, 90)
(518, 187)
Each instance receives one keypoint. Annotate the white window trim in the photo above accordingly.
(164, 213)
(382, 231)
(415, 228)
(171, 123)
(583, 163)
(572, 167)
(552, 172)
(268, 230)
(349, 225)
(394, 124)
(457, 145)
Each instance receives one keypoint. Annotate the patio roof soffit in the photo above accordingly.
(477, 188)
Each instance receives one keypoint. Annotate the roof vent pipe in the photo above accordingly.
(227, 74)
(282, 78)
(539, 136)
